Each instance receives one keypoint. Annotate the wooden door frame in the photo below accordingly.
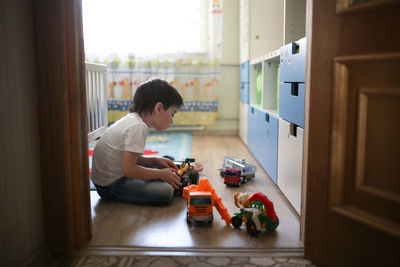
(306, 119)
(63, 124)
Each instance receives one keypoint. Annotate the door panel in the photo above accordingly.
(365, 151)
(352, 133)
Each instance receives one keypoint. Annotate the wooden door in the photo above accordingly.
(352, 142)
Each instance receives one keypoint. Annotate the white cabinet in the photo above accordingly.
(261, 27)
(290, 150)
(266, 26)
(295, 20)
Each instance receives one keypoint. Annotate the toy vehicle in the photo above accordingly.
(256, 211)
(233, 177)
(248, 170)
(188, 176)
(201, 199)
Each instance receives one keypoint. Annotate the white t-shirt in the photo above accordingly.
(126, 134)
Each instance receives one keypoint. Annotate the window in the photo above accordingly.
(144, 27)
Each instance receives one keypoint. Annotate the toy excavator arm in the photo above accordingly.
(204, 185)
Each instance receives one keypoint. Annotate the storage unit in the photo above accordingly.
(270, 33)
(263, 111)
(290, 150)
(291, 122)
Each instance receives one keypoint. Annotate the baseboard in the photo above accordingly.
(224, 125)
(216, 132)
(40, 257)
(183, 251)
(219, 127)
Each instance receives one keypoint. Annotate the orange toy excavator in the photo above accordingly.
(201, 199)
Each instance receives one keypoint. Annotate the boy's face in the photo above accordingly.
(164, 117)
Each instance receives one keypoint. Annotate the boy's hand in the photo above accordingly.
(166, 163)
(169, 175)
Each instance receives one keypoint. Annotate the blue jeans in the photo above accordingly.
(131, 190)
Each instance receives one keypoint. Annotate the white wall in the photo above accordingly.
(229, 90)
(21, 218)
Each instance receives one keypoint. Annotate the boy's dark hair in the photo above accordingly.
(152, 91)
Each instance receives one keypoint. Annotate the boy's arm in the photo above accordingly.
(131, 168)
(146, 161)
(156, 162)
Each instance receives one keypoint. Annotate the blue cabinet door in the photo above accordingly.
(268, 147)
(245, 72)
(262, 139)
(252, 129)
(291, 103)
(244, 92)
(293, 62)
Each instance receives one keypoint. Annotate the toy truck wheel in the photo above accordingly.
(187, 218)
(252, 228)
(222, 173)
(210, 221)
(194, 177)
(272, 226)
(236, 221)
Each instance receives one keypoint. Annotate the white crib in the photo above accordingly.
(96, 95)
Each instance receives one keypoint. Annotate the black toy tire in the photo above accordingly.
(236, 221)
(194, 177)
(185, 182)
(222, 173)
(252, 228)
(187, 218)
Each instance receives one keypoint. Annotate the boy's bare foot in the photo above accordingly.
(197, 167)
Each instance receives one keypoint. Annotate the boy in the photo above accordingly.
(120, 172)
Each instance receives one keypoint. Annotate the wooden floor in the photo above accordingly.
(126, 225)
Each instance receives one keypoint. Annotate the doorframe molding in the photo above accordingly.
(306, 119)
(63, 124)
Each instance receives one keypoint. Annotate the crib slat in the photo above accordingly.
(92, 128)
(96, 99)
(95, 124)
(104, 106)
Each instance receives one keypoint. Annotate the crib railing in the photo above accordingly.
(96, 94)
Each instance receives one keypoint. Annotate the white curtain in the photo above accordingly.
(177, 40)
